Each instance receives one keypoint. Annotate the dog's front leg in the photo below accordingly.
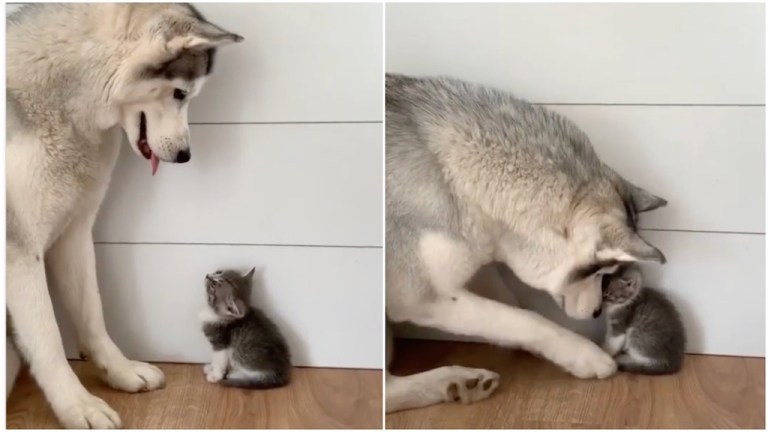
(72, 267)
(462, 312)
(38, 338)
(443, 384)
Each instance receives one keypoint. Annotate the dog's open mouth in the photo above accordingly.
(144, 148)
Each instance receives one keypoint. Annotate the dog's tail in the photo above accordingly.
(651, 367)
(257, 380)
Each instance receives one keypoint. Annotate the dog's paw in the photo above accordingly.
(468, 385)
(85, 411)
(213, 375)
(134, 376)
(590, 361)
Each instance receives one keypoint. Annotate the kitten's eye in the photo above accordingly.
(179, 94)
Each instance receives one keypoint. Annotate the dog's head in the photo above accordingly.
(172, 50)
(599, 237)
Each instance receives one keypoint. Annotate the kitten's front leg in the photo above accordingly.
(217, 369)
(614, 343)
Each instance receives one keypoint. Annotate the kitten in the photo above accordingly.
(644, 330)
(248, 349)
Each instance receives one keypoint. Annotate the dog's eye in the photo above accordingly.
(179, 94)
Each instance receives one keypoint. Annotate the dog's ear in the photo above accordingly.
(643, 200)
(204, 35)
(630, 247)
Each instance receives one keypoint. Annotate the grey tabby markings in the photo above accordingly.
(259, 355)
(650, 325)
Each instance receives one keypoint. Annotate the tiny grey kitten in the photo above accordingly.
(644, 331)
(248, 349)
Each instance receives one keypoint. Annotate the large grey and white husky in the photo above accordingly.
(476, 176)
(80, 78)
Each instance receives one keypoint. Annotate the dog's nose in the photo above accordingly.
(183, 156)
(597, 312)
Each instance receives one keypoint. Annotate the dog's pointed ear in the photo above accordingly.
(630, 248)
(204, 35)
(643, 200)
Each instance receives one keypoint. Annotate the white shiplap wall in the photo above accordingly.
(286, 175)
(673, 98)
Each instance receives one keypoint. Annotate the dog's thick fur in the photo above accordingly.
(80, 78)
(475, 176)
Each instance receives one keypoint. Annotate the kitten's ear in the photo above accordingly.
(235, 308)
(250, 274)
(633, 279)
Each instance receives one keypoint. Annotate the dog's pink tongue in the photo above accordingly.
(155, 163)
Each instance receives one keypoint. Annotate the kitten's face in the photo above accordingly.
(623, 286)
(228, 293)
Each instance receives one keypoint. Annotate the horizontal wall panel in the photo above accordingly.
(588, 53)
(298, 62)
(327, 301)
(717, 282)
(708, 162)
(317, 184)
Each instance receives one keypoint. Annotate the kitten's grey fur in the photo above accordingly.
(644, 331)
(249, 350)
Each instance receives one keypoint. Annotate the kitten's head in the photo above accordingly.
(229, 292)
(622, 286)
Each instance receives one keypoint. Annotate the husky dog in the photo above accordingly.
(476, 176)
(79, 78)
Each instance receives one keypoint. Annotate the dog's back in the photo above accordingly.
(450, 141)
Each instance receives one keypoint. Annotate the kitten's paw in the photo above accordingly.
(207, 369)
(214, 376)
(82, 410)
(468, 385)
(133, 376)
(590, 361)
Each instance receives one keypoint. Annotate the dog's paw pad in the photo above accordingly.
(470, 385)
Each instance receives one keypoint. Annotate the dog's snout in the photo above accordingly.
(183, 156)
(597, 312)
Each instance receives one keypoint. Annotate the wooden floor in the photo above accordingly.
(316, 399)
(710, 392)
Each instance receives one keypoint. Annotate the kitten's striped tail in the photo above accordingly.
(259, 380)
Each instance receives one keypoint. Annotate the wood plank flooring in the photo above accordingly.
(316, 399)
(710, 392)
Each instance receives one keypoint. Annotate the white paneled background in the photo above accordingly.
(673, 98)
(286, 175)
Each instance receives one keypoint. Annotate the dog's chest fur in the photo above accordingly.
(55, 174)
